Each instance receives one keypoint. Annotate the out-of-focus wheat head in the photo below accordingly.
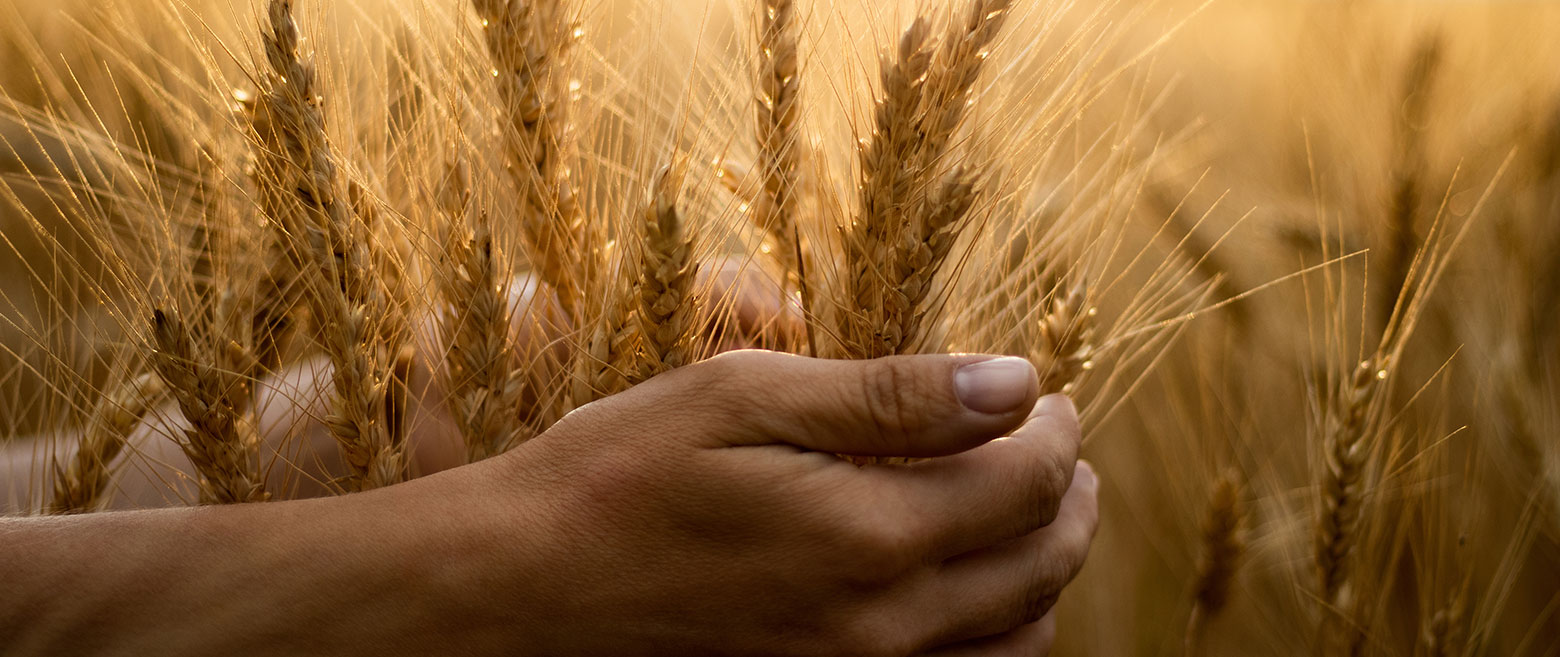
(1293, 262)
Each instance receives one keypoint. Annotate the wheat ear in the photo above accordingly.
(213, 396)
(80, 484)
(528, 44)
(1444, 633)
(953, 74)
(479, 368)
(668, 311)
(910, 217)
(778, 110)
(1067, 341)
(1224, 543)
(885, 192)
(1346, 451)
(329, 245)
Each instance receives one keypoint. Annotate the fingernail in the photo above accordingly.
(1084, 475)
(994, 386)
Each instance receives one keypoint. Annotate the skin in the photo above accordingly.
(701, 513)
(697, 514)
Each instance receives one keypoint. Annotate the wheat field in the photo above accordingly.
(1295, 261)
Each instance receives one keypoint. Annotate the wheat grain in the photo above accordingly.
(778, 115)
(1346, 450)
(480, 371)
(1224, 544)
(1066, 344)
(220, 441)
(529, 44)
(328, 245)
(79, 486)
(668, 310)
(886, 192)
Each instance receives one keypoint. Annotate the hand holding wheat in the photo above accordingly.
(762, 542)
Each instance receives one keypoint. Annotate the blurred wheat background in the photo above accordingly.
(1297, 262)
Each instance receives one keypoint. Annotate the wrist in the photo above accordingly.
(463, 554)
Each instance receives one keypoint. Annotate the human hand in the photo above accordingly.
(703, 513)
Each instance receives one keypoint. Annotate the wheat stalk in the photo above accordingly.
(1346, 451)
(1224, 544)
(909, 219)
(329, 245)
(778, 128)
(213, 395)
(885, 193)
(1408, 172)
(480, 371)
(529, 44)
(668, 311)
(1067, 341)
(778, 115)
(79, 485)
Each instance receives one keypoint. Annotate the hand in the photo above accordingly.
(702, 513)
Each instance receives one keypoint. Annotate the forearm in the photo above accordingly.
(361, 574)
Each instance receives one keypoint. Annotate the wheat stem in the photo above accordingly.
(80, 484)
(1224, 544)
(668, 311)
(327, 240)
(1346, 451)
(528, 44)
(213, 395)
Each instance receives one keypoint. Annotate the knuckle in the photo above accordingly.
(880, 551)
(1036, 604)
(725, 367)
(868, 635)
(1049, 478)
(886, 391)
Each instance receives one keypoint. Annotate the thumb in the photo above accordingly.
(915, 406)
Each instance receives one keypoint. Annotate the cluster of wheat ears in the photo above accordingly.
(231, 238)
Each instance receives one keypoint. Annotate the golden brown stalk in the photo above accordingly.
(213, 396)
(953, 75)
(1224, 543)
(779, 136)
(1346, 451)
(479, 366)
(1408, 170)
(528, 43)
(330, 248)
(605, 365)
(886, 190)
(917, 259)
(778, 116)
(1066, 341)
(910, 219)
(668, 311)
(79, 485)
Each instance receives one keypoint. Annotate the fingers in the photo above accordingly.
(997, 589)
(1032, 640)
(914, 406)
(999, 491)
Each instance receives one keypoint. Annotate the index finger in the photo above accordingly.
(996, 492)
